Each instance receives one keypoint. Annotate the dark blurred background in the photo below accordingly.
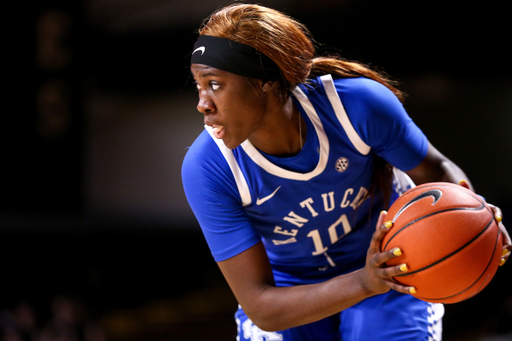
(97, 241)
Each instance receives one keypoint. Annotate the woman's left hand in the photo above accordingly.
(498, 216)
(507, 243)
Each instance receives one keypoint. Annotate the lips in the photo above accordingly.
(218, 131)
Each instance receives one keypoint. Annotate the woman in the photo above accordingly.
(297, 163)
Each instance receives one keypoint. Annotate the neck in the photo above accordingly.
(283, 133)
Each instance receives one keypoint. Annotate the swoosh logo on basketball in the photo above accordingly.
(200, 48)
(262, 200)
(436, 194)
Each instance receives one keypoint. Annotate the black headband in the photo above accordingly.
(228, 55)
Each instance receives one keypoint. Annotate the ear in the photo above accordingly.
(267, 86)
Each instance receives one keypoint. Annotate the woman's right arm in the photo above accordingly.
(241, 256)
(274, 308)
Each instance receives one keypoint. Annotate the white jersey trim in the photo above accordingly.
(241, 183)
(342, 116)
(271, 168)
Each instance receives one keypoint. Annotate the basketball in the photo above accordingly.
(449, 239)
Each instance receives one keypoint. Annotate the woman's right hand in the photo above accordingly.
(376, 276)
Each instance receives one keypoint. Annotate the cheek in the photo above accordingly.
(245, 94)
(249, 117)
(246, 107)
(243, 110)
(242, 123)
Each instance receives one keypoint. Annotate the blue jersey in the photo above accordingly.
(311, 210)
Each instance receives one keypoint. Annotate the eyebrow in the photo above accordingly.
(210, 72)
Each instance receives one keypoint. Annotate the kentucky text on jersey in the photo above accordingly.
(328, 201)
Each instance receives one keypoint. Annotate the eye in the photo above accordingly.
(214, 86)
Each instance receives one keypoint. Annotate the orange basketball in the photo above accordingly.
(449, 239)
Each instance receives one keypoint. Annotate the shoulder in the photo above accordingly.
(204, 164)
(202, 147)
(359, 92)
(368, 100)
(200, 153)
(365, 90)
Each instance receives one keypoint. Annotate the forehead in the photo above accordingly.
(201, 70)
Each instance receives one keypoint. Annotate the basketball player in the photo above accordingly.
(299, 158)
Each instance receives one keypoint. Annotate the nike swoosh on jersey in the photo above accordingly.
(262, 200)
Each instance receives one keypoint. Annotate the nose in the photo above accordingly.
(205, 104)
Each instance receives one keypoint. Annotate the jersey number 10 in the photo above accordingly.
(333, 235)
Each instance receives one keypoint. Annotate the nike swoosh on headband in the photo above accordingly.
(234, 57)
(200, 48)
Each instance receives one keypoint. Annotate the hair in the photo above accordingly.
(290, 45)
(287, 42)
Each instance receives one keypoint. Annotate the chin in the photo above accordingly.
(232, 144)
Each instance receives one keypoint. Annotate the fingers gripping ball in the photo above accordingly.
(450, 241)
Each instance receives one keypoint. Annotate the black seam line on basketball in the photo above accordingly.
(469, 287)
(431, 214)
(451, 254)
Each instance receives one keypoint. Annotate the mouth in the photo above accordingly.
(218, 130)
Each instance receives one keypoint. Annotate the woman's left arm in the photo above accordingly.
(437, 167)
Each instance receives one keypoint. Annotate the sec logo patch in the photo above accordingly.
(341, 164)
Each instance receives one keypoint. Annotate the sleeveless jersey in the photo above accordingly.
(309, 210)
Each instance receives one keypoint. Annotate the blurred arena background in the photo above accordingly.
(97, 242)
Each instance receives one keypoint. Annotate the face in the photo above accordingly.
(231, 105)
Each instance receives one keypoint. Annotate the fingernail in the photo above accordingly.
(388, 224)
(404, 267)
(397, 251)
(499, 218)
(505, 252)
(462, 181)
(503, 261)
(412, 290)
